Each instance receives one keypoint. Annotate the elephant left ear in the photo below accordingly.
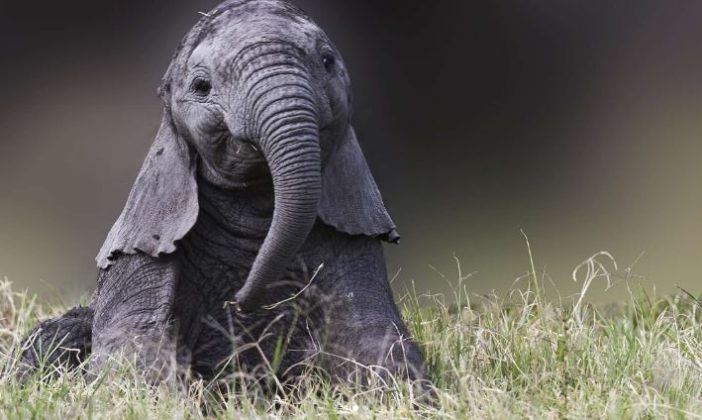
(163, 204)
(351, 201)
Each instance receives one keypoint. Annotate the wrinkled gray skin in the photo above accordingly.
(255, 180)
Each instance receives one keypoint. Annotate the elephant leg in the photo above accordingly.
(61, 341)
(364, 326)
(134, 315)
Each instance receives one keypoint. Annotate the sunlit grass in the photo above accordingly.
(517, 355)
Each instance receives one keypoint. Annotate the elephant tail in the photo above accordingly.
(61, 341)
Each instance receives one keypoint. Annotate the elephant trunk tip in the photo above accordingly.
(247, 301)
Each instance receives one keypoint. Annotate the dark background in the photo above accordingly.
(579, 122)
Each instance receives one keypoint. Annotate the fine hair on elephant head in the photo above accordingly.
(250, 102)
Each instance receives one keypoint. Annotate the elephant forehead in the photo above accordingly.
(274, 7)
(235, 25)
(231, 37)
(236, 44)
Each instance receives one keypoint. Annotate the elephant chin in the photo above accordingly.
(293, 154)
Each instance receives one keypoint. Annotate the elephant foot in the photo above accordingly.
(376, 356)
(152, 354)
(61, 341)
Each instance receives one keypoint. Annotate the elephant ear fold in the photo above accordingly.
(351, 201)
(162, 206)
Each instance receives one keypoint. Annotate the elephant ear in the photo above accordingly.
(162, 206)
(351, 201)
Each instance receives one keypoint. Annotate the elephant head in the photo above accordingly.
(256, 94)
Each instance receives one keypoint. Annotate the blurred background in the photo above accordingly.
(578, 122)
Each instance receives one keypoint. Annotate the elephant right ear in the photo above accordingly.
(162, 206)
(351, 201)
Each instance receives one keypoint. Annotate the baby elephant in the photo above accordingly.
(254, 228)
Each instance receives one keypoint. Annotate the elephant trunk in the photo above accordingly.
(286, 127)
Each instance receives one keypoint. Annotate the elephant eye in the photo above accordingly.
(202, 87)
(328, 62)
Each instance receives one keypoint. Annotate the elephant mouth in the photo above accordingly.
(245, 146)
(240, 163)
(237, 163)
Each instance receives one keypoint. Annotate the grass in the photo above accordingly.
(517, 355)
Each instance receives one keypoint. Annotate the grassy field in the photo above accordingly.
(517, 355)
